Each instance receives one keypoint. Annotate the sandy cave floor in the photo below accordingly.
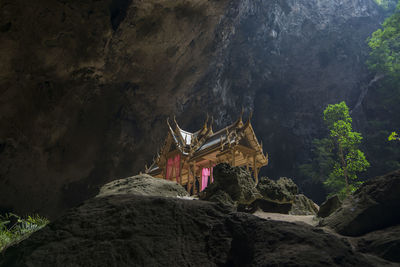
(308, 219)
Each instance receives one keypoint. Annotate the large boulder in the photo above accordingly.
(282, 196)
(236, 182)
(134, 230)
(383, 243)
(283, 190)
(375, 205)
(234, 186)
(302, 205)
(143, 184)
(329, 206)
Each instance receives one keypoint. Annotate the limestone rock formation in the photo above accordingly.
(86, 86)
(145, 185)
(329, 206)
(234, 186)
(236, 182)
(132, 230)
(283, 190)
(373, 206)
(302, 205)
(383, 243)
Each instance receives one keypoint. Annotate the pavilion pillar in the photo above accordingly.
(194, 179)
(255, 169)
(200, 182)
(180, 170)
(256, 174)
(188, 178)
(233, 157)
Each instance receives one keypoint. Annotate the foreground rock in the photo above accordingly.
(133, 230)
(375, 205)
(232, 186)
(145, 185)
(383, 243)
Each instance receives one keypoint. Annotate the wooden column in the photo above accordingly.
(210, 166)
(188, 178)
(200, 183)
(233, 157)
(256, 174)
(254, 167)
(180, 169)
(193, 184)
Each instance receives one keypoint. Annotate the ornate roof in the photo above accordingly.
(194, 145)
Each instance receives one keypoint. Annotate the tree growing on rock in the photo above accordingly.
(349, 159)
(385, 47)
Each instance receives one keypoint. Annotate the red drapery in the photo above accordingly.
(174, 167)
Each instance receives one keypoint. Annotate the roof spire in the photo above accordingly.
(211, 124)
(205, 124)
(176, 124)
(248, 120)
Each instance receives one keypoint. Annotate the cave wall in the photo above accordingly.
(86, 86)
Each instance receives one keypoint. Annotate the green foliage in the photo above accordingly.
(337, 159)
(385, 4)
(385, 46)
(349, 159)
(393, 136)
(14, 228)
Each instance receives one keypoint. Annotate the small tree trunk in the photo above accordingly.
(344, 165)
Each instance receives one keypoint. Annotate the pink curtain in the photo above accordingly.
(205, 173)
(172, 163)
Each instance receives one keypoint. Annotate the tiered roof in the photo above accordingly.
(204, 141)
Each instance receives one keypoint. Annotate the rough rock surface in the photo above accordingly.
(86, 85)
(383, 243)
(329, 206)
(283, 190)
(234, 186)
(131, 230)
(236, 182)
(302, 205)
(373, 206)
(143, 184)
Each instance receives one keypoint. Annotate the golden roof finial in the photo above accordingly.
(205, 125)
(248, 120)
(176, 124)
(211, 124)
